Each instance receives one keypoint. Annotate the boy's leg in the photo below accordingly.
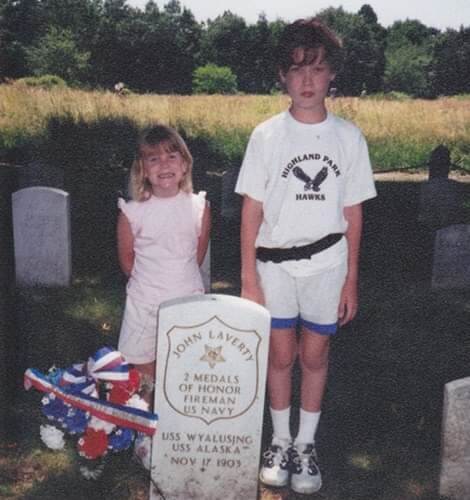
(282, 354)
(313, 358)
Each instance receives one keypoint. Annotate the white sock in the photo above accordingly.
(281, 427)
(307, 426)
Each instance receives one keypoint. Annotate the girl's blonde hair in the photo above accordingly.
(169, 139)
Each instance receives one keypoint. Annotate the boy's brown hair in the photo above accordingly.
(310, 34)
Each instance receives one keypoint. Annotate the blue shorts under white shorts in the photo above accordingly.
(138, 336)
(313, 299)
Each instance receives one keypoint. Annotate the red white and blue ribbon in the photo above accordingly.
(108, 365)
(124, 416)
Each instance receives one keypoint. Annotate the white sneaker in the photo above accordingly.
(275, 468)
(306, 476)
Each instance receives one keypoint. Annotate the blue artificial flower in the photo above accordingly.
(76, 421)
(54, 408)
(121, 439)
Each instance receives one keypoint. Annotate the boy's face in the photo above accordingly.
(308, 79)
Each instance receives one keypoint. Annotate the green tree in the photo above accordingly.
(57, 54)
(408, 57)
(224, 43)
(212, 79)
(364, 44)
(450, 65)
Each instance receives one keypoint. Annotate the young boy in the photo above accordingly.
(304, 177)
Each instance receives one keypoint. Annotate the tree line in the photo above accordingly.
(97, 43)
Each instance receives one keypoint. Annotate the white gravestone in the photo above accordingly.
(451, 260)
(455, 452)
(41, 234)
(211, 374)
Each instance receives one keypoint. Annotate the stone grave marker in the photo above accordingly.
(41, 235)
(211, 373)
(231, 201)
(451, 260)
(441, 203)
(455, 449)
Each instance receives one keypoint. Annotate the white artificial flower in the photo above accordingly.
(91, 473)
(101, 425)
(143, 449)
(52, 437)
(137, 402)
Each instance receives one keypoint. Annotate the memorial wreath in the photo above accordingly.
(96, 404)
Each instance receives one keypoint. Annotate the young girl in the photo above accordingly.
(162, 237)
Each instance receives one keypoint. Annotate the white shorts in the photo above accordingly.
(314, 298)
(138, 336)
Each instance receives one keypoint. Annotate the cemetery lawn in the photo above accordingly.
(379, 436)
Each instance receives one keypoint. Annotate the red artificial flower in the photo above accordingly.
(93, 443)
(134, 381)
(119, 394)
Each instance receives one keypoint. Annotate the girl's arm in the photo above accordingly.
(203, 241)
(125, 244)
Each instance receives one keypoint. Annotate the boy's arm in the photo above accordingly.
(252, 216)
(203, 241)
(348, 303)
(125, 244)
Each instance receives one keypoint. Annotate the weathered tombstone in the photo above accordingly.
(231, 202)
(211, 372)
(41, 234)
(451, 261)
(441, 200)
(455, 451)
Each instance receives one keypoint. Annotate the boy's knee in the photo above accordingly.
(281, 360)
(314, 360)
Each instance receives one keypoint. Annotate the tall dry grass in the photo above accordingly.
(394, 129)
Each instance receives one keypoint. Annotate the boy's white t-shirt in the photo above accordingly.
(305, 174)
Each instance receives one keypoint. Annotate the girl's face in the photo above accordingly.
(163, 169)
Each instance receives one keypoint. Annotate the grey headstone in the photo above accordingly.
(451, 260)
(441, 203)
(231, 201)
(455, 452)
(41, 234)
(211, 373)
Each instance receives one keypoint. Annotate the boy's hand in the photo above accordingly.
(253, 292)
(348, 302)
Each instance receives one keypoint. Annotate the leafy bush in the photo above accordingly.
(44, 81)
(212, 79)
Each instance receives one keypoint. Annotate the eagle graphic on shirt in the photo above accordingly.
(309, 183)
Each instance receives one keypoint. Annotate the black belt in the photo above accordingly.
(297, 253)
